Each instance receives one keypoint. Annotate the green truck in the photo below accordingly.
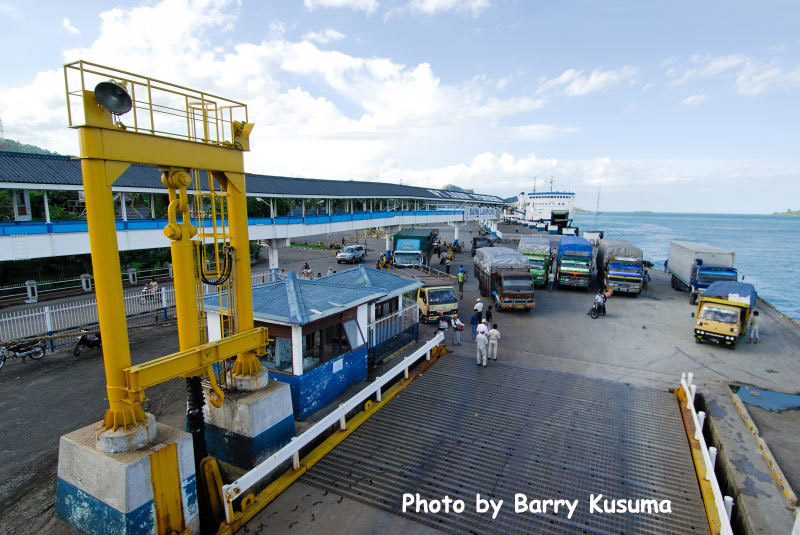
(413, 247)
(537, 251)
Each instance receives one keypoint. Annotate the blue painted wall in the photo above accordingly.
(246, 452)
(319, 386)
(92, 516)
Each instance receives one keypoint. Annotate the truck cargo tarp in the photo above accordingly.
(530, 245)
(574, 246)
(617, 248)
(492, 259)
(738, 292)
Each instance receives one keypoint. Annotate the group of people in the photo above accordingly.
(485, 333)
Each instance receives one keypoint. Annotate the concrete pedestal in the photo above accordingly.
(99, 493)
(250, 426)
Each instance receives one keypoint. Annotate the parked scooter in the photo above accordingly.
(22, 350)
(87, 340)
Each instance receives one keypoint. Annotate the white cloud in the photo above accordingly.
(433, 7)
(8, 11)
(543, 132)
(368, 6)
(325, 36)
(694, 100)
(749, 76)
(573, 82)
(69, 27)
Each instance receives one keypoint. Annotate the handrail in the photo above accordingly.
(722, 504)
(245, 482)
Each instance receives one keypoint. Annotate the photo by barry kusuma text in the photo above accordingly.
(522, 504)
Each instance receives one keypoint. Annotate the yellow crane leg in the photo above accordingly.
(98, 175)
(247, 363)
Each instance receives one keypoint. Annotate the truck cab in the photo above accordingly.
(480, 241)
(703, 276)
(723, 313)
(575, 271)
(513, 289)
(435, 299)
(624, 275)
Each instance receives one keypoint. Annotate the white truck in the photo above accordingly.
(695, 265)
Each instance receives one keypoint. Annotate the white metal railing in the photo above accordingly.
(46, 320)
(292, 450)
(383, 329)
(723, 504)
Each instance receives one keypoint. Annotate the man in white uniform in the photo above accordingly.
(482, 343)
(494, 340)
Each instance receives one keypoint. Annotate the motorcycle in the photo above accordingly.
(87, 340)
(597, 309)
(22, 350)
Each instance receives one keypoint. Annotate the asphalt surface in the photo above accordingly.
(645, 341)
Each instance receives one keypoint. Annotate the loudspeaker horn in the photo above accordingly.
(113, 97)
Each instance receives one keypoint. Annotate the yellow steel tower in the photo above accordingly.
(124, 118)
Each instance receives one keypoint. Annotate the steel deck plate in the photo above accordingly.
(458, 431)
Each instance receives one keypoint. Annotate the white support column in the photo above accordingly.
(273, 254)
(46, 207)
(456, 229)
(388, 238)
(123, 207)
(272, 208)
(303, 209)
(152, 206)
(297, 350)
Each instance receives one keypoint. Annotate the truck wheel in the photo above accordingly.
(672, 283)
(692, 298)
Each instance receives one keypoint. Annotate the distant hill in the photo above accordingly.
(789, 213)
(16, 146)
(453, 187)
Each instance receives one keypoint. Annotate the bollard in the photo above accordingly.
(296, 460)
(728, 505)
(712, 453)
(33, 292)
(701, 418)
(342, 423)
(86, 282)
(378, 395)
(132, 275)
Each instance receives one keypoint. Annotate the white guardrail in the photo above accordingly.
(292, 450)
(723, 504)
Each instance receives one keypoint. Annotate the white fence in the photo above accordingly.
(66, 317)
(382, 330)
(722, 504)
(337, 417)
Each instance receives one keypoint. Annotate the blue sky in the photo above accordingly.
(671, 106)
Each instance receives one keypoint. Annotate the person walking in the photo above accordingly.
(443, 324)
(473, 324)
(458, 327)
(551, 281)
(645, 279)
(478, 308)
(488, 315)
(330, 271)
(494, 340)
(481, 346)
(461, 283)
(483, 327)
(447, 264)
(754, 324)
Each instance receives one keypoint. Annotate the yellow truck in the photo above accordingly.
(434, 298)
(723, 313)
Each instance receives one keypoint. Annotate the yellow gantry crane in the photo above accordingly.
(123, 118)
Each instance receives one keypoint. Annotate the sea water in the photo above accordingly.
(767, 247)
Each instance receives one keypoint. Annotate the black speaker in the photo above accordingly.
(113, 97)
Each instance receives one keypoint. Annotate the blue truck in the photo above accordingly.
(694, 266)
(574, 262)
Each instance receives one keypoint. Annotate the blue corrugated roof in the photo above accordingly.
(300, 301)
(47, 169)
(361, 275)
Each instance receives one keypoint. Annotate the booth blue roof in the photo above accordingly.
(366, 277)
(300, 301)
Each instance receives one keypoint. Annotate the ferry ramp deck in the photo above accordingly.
(459, 430)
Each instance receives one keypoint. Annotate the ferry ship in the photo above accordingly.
(551, 207)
